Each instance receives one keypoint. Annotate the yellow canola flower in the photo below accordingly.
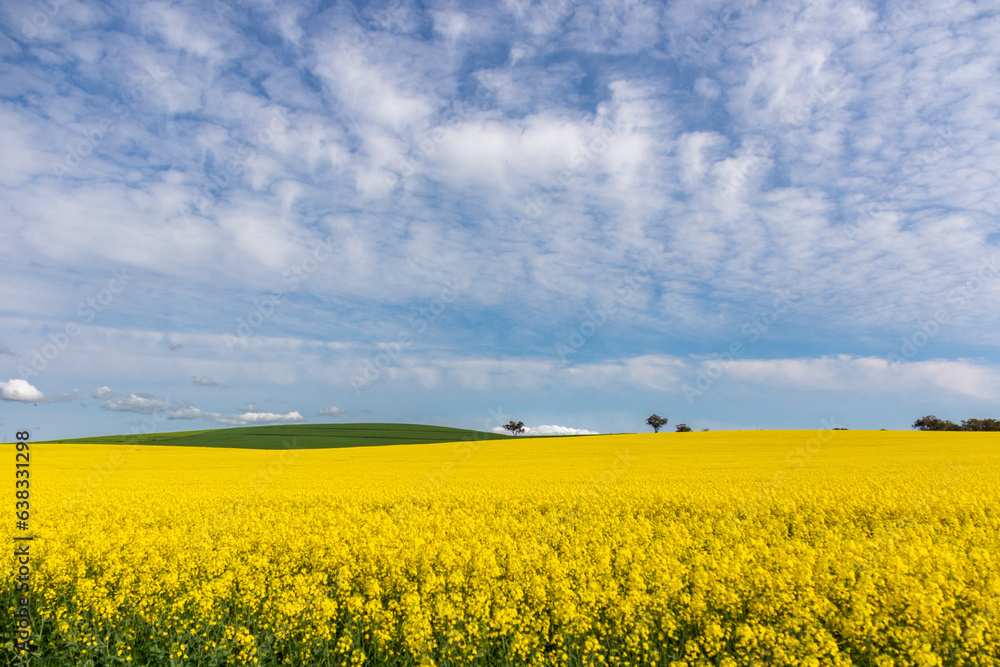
(734, 548)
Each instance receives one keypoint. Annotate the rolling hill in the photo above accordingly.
(298, 436)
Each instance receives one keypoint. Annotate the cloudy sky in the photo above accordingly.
(734, 214)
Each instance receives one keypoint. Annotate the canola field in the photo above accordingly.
(729, 548)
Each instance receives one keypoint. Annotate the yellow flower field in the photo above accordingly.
(729, 548)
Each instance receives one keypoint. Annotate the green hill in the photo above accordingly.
(298, 436)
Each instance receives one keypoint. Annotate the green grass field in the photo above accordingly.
(299, 436)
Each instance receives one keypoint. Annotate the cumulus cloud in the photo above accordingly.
(241, 419)
(548, 429)
(20, 390)
(332, 412)
(258, 418)
(142, 404)
(103, 393)
(148, 404)
(186, 412)
(24, 392)
(706, 87)
(552, 429)
(963, 377)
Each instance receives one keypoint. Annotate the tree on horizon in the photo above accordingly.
(932, 423)
(514, 427)
(657, 422)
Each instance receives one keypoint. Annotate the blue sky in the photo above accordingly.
(575, 214)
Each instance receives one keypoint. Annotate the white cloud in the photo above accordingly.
(453, 25)
(332, 411)
(246, 418)
(242, 419)
(371, 90)
(103, 393)
(549, 429)
(143, 404)
(870, 375)
(204, 381)
(707, 87)
(23, 153)
(552, 429)
(182, 30)
(147, 404)
(698, 151)
(20, 390)
(186, 412)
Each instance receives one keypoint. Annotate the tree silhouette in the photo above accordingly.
(980, 425)
(932, 423)
(657, 422)
(514, 427)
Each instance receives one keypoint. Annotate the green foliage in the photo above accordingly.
(514, 427)
(981, 424)
(656, 421)
(932, 423)
(683, 428)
